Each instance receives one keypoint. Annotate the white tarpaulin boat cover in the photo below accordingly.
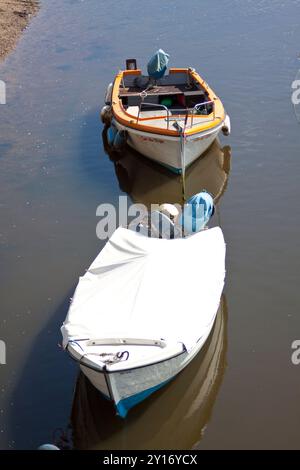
(150, 288)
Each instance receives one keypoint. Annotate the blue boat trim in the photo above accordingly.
(123, 406)
(177, 171)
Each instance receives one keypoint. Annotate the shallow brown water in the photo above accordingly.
(54, 172)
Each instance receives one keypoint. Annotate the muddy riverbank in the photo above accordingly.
(14, 18)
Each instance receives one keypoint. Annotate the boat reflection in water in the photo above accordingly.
(148, 183)
(173, 418)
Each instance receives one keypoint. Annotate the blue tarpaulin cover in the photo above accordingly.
(157, 65)
(197, 212)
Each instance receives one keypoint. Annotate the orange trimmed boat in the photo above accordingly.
(172, 120)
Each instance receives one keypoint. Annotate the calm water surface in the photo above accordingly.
(242, 391)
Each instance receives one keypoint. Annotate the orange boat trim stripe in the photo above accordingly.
(128, 120)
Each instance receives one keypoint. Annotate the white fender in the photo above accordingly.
(106, 115)
(108, 94)
(226, 129)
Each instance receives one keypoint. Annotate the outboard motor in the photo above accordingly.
(157, 65)
(197, 212)
(167, 222)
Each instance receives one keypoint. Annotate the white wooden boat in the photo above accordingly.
(143, 310)
(173, 122)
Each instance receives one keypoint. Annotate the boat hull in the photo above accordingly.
(129, 387)
(175, 419)
(166, 150)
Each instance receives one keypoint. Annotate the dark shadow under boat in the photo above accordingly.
(147, 182)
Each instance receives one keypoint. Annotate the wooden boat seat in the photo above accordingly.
(131, 99)
(160, 90)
